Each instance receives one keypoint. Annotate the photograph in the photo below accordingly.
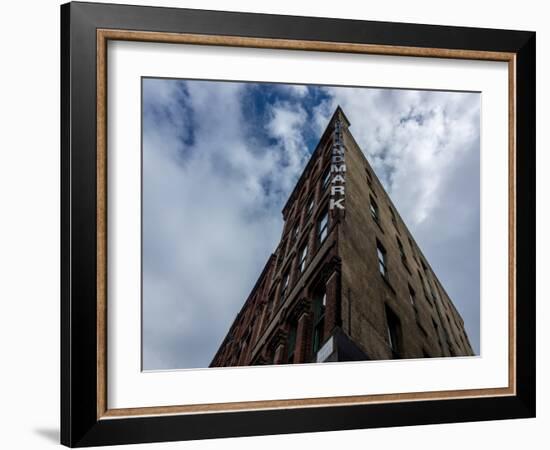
(288, 222)
(299, 223)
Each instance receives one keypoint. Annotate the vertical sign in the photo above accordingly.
(337, 169)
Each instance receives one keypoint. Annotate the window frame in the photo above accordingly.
(285, 283)
(310, 205)
(325, 180)
(291, 342)
(319, 311)
(322, 231)
(369, 176)
(374, 210)
(302, 258)
(412, 295)
(401, 249)
(393, 329)
(381, 255)
(296, 230)
(394, 219)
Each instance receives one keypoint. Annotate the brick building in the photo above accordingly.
(347, 281)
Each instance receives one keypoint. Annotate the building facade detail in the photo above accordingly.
(346, 282)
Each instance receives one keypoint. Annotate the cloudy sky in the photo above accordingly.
(221, 158)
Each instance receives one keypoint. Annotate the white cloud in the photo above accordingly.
(295, 90)
(412, 138)
(204, 203)
(286, 123)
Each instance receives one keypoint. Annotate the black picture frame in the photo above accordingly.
(80, 425)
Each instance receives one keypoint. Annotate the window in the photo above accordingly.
(434, 294)
(369, 178)
(241, 360)
(270, 304)
(326, 178)
(393, 329)
(303, 258)
(281, 256)
(429, 291)
(438, 293)
(423, 283)
(424, 268)
(421, 280)
(451, 348)
(412, 249)
(436, 329)
(322, 227)
(319, 306)
(401, 250)
(393, 219)
(381, 252)
(284, 287)
(310, 206)
(373, 209)
(412, 295)
(296, 231)
(291, 343)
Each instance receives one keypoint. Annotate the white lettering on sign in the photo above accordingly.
(337, 169)
(336, 203)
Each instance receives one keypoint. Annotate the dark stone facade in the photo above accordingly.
(343, 284)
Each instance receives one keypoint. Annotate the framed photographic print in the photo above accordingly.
(276, 224)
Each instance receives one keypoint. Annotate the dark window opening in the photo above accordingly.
(394, 219)
(303, 258)
(291, 343)
(424, 268)
(322, 227)
(412, 295)
(270, 304)
(326, 178)
(422, 282)
(451, 349)
(284, 287)
(369, 177)
(319, 306)
(401, 250)
(373, 209)
(436, 328)
(394, 332)
(296, 231)
(310, 206)
(382, 264)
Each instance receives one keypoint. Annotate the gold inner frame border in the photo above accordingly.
(104, 35)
